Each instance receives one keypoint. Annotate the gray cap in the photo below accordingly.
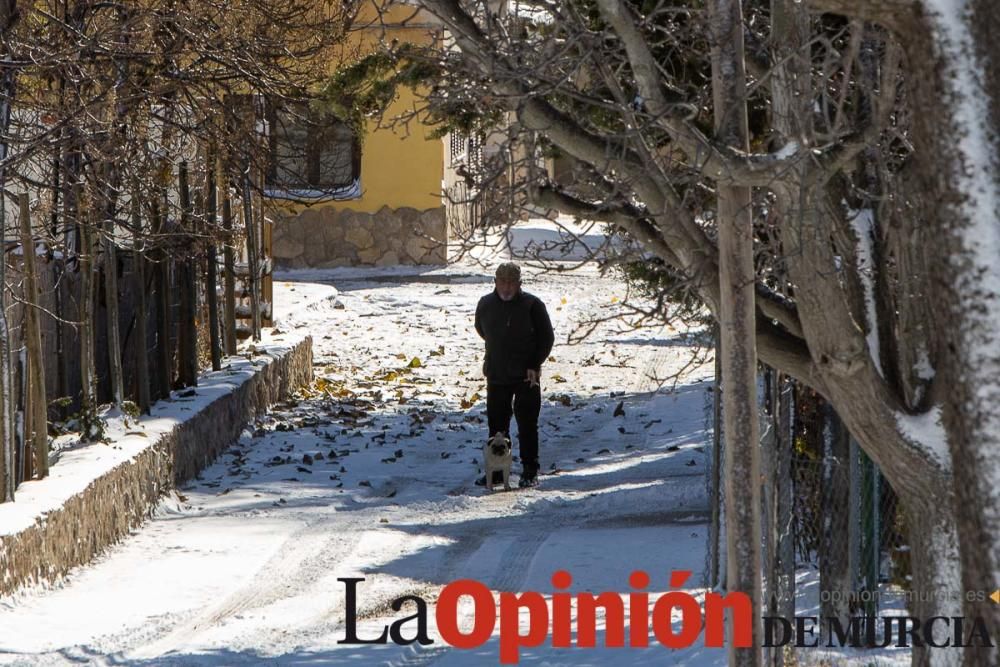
(509, 271)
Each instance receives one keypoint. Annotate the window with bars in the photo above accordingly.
(474, 156)
(312, 154)
(467, 150)
(457, 147)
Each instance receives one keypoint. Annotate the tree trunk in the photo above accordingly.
(937, 589)
(164, 347)
(253, 256)
(21, 443)
(36, 414)
(961, 169)
(59, 159)
(142, 311)
(62, 358)
(88, 381)
(111, 298)
(188, 289)
(212, 297)
(8, 17)
(783, 575)
(789, 33)
(737, 324)
(229, 266)
(110, 192)
(7, 473)
(768, 448)
(714, 579)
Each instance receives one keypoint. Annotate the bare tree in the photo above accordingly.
(841, 150)
(737, 344)
(118, 98)
(8, 18)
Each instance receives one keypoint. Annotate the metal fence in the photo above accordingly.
(834, 540)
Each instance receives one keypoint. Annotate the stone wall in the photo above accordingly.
(324, 237)
(121, 499)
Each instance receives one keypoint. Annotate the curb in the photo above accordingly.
(98, 494)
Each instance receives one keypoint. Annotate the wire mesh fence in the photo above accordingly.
(834, 541)
(848, 526)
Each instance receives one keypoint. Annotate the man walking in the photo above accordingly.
(518, 335)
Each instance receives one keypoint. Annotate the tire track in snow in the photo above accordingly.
(299, 561)
(516, 563)
(330, 621)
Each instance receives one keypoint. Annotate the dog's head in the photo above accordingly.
(499, 444)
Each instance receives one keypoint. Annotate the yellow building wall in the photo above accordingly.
(402, 166)
(400, 216)
(399, 170)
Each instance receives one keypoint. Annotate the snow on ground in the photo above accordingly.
(370, 474)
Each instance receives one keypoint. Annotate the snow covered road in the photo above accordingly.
(370, 474)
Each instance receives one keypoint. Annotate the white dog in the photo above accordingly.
(497, 456)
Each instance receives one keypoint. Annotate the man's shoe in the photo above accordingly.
(528, 481)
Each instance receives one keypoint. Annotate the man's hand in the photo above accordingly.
(532, 378)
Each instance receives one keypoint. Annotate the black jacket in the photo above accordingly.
(518, 335)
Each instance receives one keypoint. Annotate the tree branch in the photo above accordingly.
(894, 14)
(632, 219)
(771, 306)
(719, 162)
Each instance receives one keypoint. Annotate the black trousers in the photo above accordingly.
(524, 402)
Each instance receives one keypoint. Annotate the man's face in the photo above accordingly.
(507, 288)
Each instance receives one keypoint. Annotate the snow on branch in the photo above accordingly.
(926, 431)
(863, 224)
